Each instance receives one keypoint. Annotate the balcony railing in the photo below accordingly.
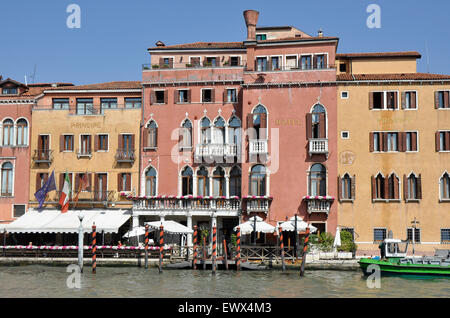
(156, 67)
(258, 205)
(187, 204)
(89, 197)
(84, 153)
(125, 155)
(258, 147)
(319, 204)
(318, 146)
(43, 156)
(216, 150)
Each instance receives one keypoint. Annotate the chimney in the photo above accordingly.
(251, 19)
(159, 43)
(320, 33)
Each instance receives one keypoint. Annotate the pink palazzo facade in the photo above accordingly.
(235, 129)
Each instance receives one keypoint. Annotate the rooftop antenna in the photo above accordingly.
(26, 83)
(34, 74)
(428, 57)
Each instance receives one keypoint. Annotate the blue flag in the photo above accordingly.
(46, 188)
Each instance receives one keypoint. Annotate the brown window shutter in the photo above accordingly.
(405, 187)
(89, 142)
(371, 142)
(446, 99)
(161, 61)
(447, 141)
(77, 181)
(414, 141)
(402, 141)
(315, 61)
(166, 97)
(120, 142)
(395, 99)
(217, 61)
(322, 126)
(339, 187)
(387, 195)
(171, 63)
(437, 139)
(419, 187)
(396, 187)
(325, 61)
(61, 143)
(156, 137)
(371, 100)
(89, 181)
(263, 126)
(105, 185)
(403, 100)
(176, 97)
(413, 100)
(269, 64)
(189, 95)
(72, 141)
(133, 146)
(385, 141)
(96, 137)
(128, 183)
(225, 96)
(152, 97)
(145, 139)
(119, 182)
(61, 181)
(96, 176)
(374, 188)
(308, 126)
(213, 95)
(353, 187)
(436, 99)
(38, 181)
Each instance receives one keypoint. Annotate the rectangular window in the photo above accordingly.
(344, 95)
(11, 90)
(207, 95)
(211, 61)
(103, 142)
(125, 182)
(379, 235)
(343, 68)
(19, 210)
(195, 61)
(305, 61)
(409, 235)
(183, 96)
(411, 141)
(134, 102)
(275, 63)
(291, 62)
(378, 100)
(443, 99)
(444, 141)
(85, 145)
(85, 106)
(234, 61)
(261, 64)
(391, 100)
(159, 96)
(60, 103)
(445, 236)
(261, 37)
(107, 103)
(320, 61)
(410, 100)
(101, 187)
(392, 141)
(68, 143)
(231, 95)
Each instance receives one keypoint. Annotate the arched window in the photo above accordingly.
(22, 132)
(219, 131)
(379, 187)
(150, 182)
(186, 134)
(393, 187)
(318, 180)
(318, 125)
(413, 187)
(152, 135)
(186, 181)
(219, 186)
(445, 186)
(7, 179)
(235, 182)
(346, 187)
(258, 121)
(202, 182)
(258, 180)
(234, 130)
(8, 132)
(205, 134)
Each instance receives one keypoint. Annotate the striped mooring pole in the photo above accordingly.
(146, 246)
(305, 249)
(94, 249)
(214, 250)
(161, 247)
(194, 257)
(238, 249)
(283, 266)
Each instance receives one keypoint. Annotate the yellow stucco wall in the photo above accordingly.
(355, 158)
(113, 123)
(379, 65)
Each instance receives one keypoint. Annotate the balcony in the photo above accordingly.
(318, 146)
(318, 204)
(215, 151)
(43, 156)
(258, 147)
(258, 204)
(186, 204)
(157, 67)
(84, 153)
(89, 197)
(125, 156)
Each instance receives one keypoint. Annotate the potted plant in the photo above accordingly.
(155, 66)
(188, 65)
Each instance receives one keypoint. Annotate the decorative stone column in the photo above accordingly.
(189, 225)
(227, 186)
(135, 221)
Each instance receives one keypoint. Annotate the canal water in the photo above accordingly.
(51, 281)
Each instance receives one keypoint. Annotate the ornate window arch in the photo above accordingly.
(8, 132)
(317, 180)
(258, 177)
(151, 181)
(7, 179)
(444, 186)
(187, 181)
(202, 181)
(22, 132)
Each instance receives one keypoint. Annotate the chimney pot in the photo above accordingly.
(159, 43)
(320, 33)
(251, 19)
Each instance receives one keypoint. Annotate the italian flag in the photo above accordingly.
(65, 195)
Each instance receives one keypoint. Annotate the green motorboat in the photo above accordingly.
(395, 261)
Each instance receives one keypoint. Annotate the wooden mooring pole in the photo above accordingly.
(146, 246)
(225, 254)
(204, 253)
(94, 249)
(214, 250)
(283, 266)
(161, 247)
(194, 257)
(305, 249)
(238, 249)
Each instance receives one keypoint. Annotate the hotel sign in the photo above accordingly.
(288, 122)
(85, 125)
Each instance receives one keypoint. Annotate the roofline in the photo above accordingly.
(281, 27)
(293, 42)
(194, 49)
(112, 90)
(378, 55)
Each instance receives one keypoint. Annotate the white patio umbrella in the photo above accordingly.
(261, 226)
(137, 231)
(171, 227)
(289, 226)
(337, 238)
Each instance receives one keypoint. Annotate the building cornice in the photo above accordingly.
(71, 91)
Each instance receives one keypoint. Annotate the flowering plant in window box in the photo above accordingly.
(318, 197)
(234, 197)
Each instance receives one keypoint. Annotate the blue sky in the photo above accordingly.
(114, 35)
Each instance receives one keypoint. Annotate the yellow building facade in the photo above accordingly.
(90, 132)
(394, 159)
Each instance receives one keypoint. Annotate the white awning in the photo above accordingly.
(171, 227)
(53, 221)
(248, 227)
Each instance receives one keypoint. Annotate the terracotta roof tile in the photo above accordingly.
(299, 39)
(384, 77)
(379, 54)
(101, 86)
(202, 45)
